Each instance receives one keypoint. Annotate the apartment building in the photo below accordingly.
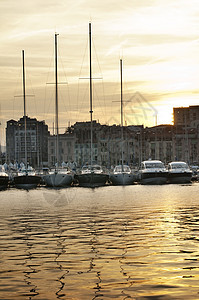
(36, 141)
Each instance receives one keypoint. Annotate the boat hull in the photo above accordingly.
(4, 180)
(184, 177)
(153, 178)
(27, 181)
(122, 179)
(58, 179)
(92, 179)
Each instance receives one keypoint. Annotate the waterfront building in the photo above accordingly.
(82, 132)
(36, 141)
(159, 143)
(186, 132)
(111, 145)
(163, 142)
(186, 144)
(66, 148)
(186, 116)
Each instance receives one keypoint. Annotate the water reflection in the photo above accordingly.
(123, 243)
(60, 250)
(23, 259)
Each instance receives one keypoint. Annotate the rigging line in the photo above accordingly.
(80, 72)
(104, 98)
(100, 106)
(62, 63)
(48, 112)
(62, 97)
(68, 90)
(114, 94)
(85, 52)
(82, 107)
(18, 83)
(103, 89)
(17, 88)
(29, 83)
(77, 99)
(45, 96)
(48, 75)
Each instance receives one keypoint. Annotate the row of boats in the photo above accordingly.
(150, 172)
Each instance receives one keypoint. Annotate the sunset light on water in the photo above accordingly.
(99, 149)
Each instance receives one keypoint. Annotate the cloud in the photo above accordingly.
(158, 41)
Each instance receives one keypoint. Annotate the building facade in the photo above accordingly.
(186, 116)
(66, 149)
(82, 131)
(163, 142)
(36, 141)
(186, 132)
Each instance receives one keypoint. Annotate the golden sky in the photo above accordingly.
(158, 41)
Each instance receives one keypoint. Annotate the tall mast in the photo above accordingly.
(24, 101)
(122, 114)
(91, 100)
(56, 102)
(24, 84)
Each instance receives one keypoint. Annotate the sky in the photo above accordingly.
(157, 40)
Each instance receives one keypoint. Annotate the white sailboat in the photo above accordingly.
(122, 174)
(26, 178)
(60, 176)
(92, 175)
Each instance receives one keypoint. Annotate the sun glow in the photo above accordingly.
(157, 40)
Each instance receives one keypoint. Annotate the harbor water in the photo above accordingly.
(114, 242)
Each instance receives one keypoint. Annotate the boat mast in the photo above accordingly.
(56, 102)
(24, 101)
(91, 100)
(122, 134)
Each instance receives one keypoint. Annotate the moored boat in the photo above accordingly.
(195, 173)
(4, 178)
(26, 178)
(152, 172)
(92, 176)
(122, 175)
(59, 177)
(179, 172)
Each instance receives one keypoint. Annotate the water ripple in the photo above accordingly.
(136, 242)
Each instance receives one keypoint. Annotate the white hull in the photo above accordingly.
(122, 178)
(57, 179)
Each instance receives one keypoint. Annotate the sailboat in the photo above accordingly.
(59, 177)
(92, 175)
(122, 174)
(4, 178)
(26, 178)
